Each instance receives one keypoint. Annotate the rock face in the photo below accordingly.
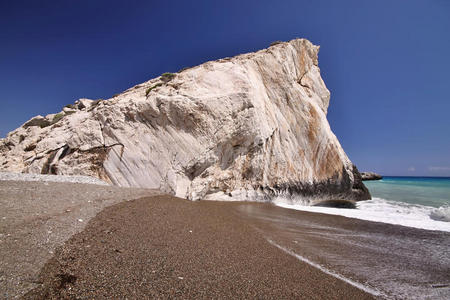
(370, 176)
(251, 127)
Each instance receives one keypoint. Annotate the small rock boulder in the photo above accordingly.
(83, 103)
(37, 121)
(370, 176)
(337, 203)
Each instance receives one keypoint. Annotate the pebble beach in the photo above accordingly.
(65, 240)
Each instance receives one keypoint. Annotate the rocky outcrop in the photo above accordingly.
(251, 127)
(337, 203)
(370, 176)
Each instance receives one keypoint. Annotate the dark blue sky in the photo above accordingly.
(386, 63)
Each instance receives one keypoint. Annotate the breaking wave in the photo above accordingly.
(391, 212)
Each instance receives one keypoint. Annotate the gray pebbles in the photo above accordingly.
(10, 176)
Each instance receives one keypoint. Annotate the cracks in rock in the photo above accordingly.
(195, 167)
(260, 69)
(47, 167)
(101, 132)
(104, 146)
(305, 86)
(98, 156)
(149, 124)
(299, 81)
(58, 154)
(66, 150)
(53, 156)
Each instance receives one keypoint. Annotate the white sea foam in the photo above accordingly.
(441, 214)
(391, 212)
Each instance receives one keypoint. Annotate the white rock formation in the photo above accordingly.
(251, 127)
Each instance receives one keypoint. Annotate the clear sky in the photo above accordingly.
(386, 62)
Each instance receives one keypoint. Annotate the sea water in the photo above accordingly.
(420, 202)
(427, 191)
(403, 264)
(389, 262)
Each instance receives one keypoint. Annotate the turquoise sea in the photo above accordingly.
(429, 191)
(420, 202)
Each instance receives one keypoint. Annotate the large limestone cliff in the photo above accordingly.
(251, 127)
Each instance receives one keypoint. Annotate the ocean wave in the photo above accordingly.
(441, 214)
(391, 212)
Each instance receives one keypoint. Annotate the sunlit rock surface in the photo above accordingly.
(250, 127)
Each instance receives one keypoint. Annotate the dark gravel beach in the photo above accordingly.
(159, 246)
(164, 247)
(37, 217)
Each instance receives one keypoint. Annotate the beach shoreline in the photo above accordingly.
(165, 247)
(142, 247)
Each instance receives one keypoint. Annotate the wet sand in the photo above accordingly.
(393, 261)
(164, 247)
